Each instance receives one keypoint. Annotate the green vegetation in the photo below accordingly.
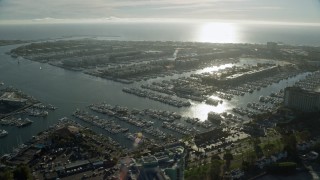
(283, 167)
(235, 164)
(247, 166)
(290, 143)
(21, 172)
(206, 171)
(303, 136)
(6, 174)
(228, 157)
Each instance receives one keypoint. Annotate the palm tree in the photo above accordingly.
(228, 157)
(215, 169)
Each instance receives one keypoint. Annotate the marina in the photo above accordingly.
(109, 126)
(142, 109)
(18, 122)
(152, 122)
(166, 90)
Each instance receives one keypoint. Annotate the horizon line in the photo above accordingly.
(49, 20)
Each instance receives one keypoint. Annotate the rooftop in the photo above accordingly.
(11, 96)
(298, 89)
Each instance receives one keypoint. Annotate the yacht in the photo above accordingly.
(3, 133)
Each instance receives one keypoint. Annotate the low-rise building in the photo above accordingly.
(167, 164)
(12, 98)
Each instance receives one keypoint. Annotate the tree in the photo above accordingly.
(254, 142)
(290, 143)
(192, 174)
(215, 157)
(251, 156)
(258, 151)
(6, 174)
(22, 172)
(228, 157)
(269, 149)
(245, 165)
(215, 169)
(305, 135)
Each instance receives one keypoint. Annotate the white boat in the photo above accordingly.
(3, 133)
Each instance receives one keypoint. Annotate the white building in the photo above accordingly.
(302, 100)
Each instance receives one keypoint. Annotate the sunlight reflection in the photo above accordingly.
(201, 110)
(218, 33)
(214, 68)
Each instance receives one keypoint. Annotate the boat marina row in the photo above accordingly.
(106, 124)
(18, 122)
(157, 97)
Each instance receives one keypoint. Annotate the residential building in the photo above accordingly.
(302, 100)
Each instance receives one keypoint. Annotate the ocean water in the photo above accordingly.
(196, 32)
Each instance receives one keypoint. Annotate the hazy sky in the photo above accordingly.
(297, 11)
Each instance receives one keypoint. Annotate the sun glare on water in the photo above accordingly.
(201, 110)
(218, 33)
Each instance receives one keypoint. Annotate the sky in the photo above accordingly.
(46, 11)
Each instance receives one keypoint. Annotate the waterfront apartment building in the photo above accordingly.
(302, 100)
